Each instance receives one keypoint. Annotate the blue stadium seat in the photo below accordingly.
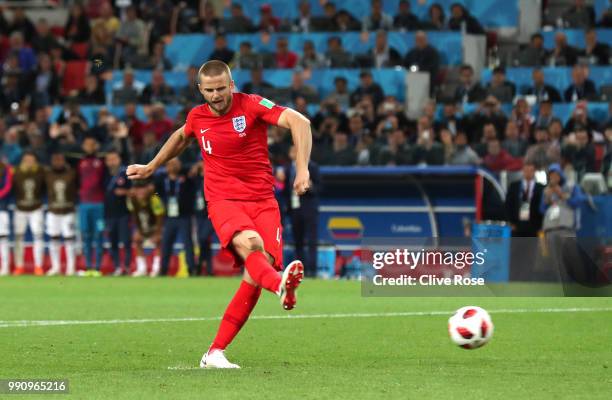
(90, 112)
(575, 37)
(391, 80)
(194, 49)
(492, 13)
(559, 77)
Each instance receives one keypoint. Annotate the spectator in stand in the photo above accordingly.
(22, 24)
(91, 173)
(157, 59)
(336, 55)
(396, 151)
(608, 122)
(521, 115)
(221, 51)
(44, 40)
(157, 91)
(383, 55)
(158, 122)
(93, 92)
(450, 119)
(580, 15)
(437, 19)
(24, 54)
(208, 21)
(340, 94)
(107, 19)
(501, 88)
(150, 146)
(284, 58)
(299, 89)
(77, 29)
(606, 18)
(238, 22)
(245, 58)
(542, 153)
(534, 55)
(462, 153)
(555, 132)
(46, 86)
(427, 151)
(462, 20)
(498, 159)
(116, 215)
(597, 53)
(158, 15)
(268, 21)
(513, 143)
(177, 191)
(489, 133)
(367, 87)
(580, 119)
(303, 23)
(345, 22)
(310, 58)
(135, 127)
(581, 88)
(470, 90)
(10, 149)
(545, 114)
(563, 53)
(257, 84)
(606, 163)
(541, 90)
(189, 94)
(580, 153)
(424, 56)
(405, 20)
(377, 19)
(343, 153)
(489, 112)
(131, 37)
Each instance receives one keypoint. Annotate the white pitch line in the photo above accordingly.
(30, 323)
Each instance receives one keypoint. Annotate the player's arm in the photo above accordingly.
(176, 143)
(302, 139)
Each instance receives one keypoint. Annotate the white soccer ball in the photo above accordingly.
(470, 327)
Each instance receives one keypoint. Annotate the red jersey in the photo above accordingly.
(235, 147)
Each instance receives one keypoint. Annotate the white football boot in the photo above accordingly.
(216, 359)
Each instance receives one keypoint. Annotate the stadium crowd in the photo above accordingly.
(351, 126)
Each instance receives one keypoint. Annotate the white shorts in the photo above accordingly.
(33, 219)
(60, 225)
(4, 223)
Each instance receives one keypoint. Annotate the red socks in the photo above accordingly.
(236, 314)
(262, 272)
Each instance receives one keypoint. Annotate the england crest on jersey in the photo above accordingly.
(239, 123)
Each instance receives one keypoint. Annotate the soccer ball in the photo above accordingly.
(470, 327)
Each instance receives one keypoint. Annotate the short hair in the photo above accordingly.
(29, 152)
(537, 36)
(466, 67)
(499, 70)
(214, 68)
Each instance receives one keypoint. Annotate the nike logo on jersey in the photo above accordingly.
(204, 130)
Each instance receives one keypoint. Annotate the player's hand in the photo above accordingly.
(301, 184)
(138, 171)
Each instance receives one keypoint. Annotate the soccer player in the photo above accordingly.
(61, 186)
(28, 187)
(116, 214)
(6, 183)
(148, 212)
(91, 172)
(231, 130)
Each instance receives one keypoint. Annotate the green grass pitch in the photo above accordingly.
(533, 355)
